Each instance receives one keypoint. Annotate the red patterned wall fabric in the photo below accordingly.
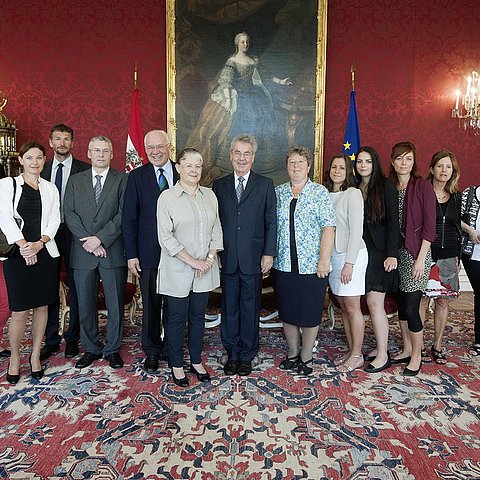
(73, 63)
(410, 58)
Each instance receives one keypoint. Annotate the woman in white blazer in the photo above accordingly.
(349, 258)
(30, 274)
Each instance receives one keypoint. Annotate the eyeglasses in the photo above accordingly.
(153, 148)
(299, 162)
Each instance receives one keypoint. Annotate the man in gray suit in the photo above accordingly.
(93, 212)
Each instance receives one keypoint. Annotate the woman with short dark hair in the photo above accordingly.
(30, 274)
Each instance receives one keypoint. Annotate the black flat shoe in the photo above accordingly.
(396, 361)
(38, 374)
(289, 363)
(47, 351)
(87, 359)
(202, 377)
(230, 367)
(303, 367)
(180, 382)
(411, 373)
(13, 379)
(151, 364)
(71, 350)
(244, 368)
(371, 369)
(114, 360)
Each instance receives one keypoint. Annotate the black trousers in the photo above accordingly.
(63, 239)
(153, 318)
(181, 311)
(472, 268)
(241, 298)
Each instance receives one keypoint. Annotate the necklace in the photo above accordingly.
(441, 197)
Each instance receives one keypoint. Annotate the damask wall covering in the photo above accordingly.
(72, 62)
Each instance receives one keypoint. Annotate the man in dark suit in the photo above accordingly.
(139, 230)
(58, 171)
(247, 206)
(93, 213)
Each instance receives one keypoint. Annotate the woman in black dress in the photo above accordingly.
(381, 234)
(31, 273)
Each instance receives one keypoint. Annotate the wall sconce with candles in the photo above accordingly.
(471, 102)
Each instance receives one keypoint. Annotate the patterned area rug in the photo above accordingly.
(126, 424)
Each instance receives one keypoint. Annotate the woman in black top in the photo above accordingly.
(443, 283)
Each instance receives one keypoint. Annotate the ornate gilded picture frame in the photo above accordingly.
(247, 66)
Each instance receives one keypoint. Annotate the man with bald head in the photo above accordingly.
(139, 228)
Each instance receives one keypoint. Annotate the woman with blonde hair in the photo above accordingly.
(443, 284)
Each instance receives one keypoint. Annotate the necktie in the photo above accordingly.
(240, 188)
(58, 178)
(97, 189)
(162, 181)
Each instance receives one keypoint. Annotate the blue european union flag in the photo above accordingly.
(351, 140)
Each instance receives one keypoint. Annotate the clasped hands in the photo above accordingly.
(94, 245)
(29, 251)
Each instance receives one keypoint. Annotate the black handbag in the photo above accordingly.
(8, 250)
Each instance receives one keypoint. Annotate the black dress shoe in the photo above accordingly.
(114, 360)
(13, 379)
(411, 373)
(396, 361)
(47, 350)
(181, 382)
(71, 350)
(230, 367)
(37, 375)
(202, 377)
(244, 368)
(5, 354)
(151, 364)
(371, 369)
(87, 359)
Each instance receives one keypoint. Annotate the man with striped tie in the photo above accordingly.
(139, 225)
(93, 212)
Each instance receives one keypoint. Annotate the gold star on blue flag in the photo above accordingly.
(351, 140)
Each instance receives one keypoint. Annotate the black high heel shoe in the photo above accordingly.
(202, 377)
(39, 373)
(13, 379)
(181, 382)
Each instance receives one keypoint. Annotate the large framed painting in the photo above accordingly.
(247, 66)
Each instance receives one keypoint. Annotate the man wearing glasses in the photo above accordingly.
(93, 212)
(247, 207)
(139, 226)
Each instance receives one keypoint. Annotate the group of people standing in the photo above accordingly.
(365, 235)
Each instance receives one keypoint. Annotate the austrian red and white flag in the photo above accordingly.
(135, 156)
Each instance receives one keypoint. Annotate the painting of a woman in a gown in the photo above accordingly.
(239, 102)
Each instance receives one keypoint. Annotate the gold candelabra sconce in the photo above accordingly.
(8, 141)
(467, 106)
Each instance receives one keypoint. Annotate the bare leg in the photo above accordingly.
(351, 306)
(376, 306)
(440, 317)
(39, 323)
(309, 335)
(407, 344)
(292, 335)
(416, 339)
(348, 334)
(16, 333)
